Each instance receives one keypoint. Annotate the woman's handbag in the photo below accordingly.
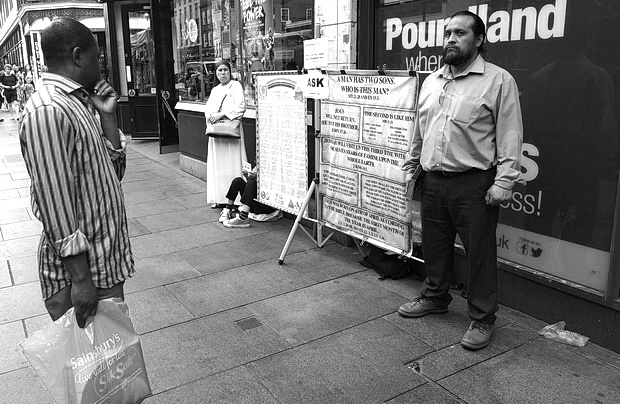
(224, 128)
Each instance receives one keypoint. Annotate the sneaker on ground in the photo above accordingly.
(420, 306)
(225, 215)
(236, 222)
(478, 335)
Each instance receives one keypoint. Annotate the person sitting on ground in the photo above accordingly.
(246, 186)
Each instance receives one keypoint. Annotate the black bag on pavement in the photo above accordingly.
(390, 266)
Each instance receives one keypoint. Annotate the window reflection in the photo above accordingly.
(254, 35)
(142, 52)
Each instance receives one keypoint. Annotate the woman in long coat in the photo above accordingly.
(225, 156)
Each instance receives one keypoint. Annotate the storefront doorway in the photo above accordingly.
(139, 70)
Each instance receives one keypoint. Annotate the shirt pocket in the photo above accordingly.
(466, 108)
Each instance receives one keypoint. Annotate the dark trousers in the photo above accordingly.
(248, 192)
(454, 205)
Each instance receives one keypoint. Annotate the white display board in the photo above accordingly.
(281, 140)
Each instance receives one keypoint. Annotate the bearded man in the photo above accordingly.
(468, 137)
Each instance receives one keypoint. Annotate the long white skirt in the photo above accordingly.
(224, 161)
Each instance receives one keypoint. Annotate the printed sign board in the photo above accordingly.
(366, 126)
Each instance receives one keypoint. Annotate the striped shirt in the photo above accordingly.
(75, 189)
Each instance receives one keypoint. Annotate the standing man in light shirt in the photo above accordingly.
(468, 137)
(75, 156)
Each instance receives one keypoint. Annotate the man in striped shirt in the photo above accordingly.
(75, 156)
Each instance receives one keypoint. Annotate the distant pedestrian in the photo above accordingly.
(75, 155)
(467, 137)
(28, 89)
(10, 83)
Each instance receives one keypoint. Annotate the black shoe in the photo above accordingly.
(420, 306)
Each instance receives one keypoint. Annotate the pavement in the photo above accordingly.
(221, 322)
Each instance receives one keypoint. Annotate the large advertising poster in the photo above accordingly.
(366, 127)
(257, 26)
(281, 141)
(562, 54)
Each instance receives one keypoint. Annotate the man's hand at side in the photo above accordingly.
(83, 292)
(497, 195)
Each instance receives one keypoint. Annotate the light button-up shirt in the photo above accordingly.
(469, 121)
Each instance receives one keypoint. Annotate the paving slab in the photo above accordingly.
(322, 264)
(196, 200)
(186, 238)
(135, 186)
(429, 393)
(437, 330)
(175, 220)
(363, 364)
(157, 308)
(14, 184)
(21, 301)
(143, 164)
(34, 324)
(542, 371)
(13, 215)
(158, 271)
(24, 192)
(313, 312)
(149, 195)
(16, 203)
(235, 386)
(22, 229)
(131, 176)
(19, 248)
(152, 208)
(245, 249)
(23, 387)
(25, 269)
(189, 183)
(5, 275)
(193, 350)
(136, 228)
(454, 358)
(237, 287)
(8, 194)
(11, 357)
(20, 175)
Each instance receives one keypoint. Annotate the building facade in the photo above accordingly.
(558, 237)
(23, 21)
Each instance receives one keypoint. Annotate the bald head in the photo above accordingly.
(70, 50)
(61, 37)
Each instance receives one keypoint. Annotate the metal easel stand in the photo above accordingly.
(318, 227)
(314, 189)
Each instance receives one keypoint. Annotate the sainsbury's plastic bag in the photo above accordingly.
(101, 363)
(557, 332)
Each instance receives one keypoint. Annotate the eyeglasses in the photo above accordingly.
(442, 94)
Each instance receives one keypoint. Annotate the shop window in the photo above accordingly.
(561, 221)
(254, 35)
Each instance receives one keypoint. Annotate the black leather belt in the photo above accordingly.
(455, 173)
